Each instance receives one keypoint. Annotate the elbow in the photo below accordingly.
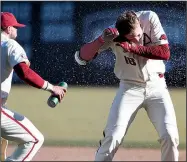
(166, 56)
(21, 70)
(22, 75)
(165, 52)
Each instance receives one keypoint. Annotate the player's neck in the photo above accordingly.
(3, 33)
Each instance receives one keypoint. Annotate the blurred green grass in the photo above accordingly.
(81, 117)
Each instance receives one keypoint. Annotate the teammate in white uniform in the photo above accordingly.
(140, 46)
(16, 127)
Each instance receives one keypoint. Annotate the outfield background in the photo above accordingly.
(54, 31)
(79, 120)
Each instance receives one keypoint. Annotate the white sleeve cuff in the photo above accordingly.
(78, 59)
(47, 86)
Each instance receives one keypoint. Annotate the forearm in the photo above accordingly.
(90, 50)
(30, 77)
(159, 52)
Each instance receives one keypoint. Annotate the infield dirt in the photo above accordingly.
(87, 154)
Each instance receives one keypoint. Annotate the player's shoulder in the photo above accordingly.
(14, 45)
(146, 15)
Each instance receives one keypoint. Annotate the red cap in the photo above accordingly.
(8, 19)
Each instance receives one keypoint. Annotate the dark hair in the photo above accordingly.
(3, 28)
(126, 22)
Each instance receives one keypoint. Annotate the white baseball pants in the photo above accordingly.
(129, 99)
(17, 128)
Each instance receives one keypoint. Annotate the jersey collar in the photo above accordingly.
(4, 37)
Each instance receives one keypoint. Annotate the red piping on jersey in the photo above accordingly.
(28, 75)
(161, 75)
(160, 52)
(89, 50)
(36, 140)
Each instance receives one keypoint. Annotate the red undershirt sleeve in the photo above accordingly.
(160, 52)
(90, 50)
(28, 75)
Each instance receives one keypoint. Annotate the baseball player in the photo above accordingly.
(16, 127)
(140, 46)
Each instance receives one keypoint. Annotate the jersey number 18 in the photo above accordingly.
(130, 60)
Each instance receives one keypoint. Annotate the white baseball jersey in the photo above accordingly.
(11, 54)
(134, 68)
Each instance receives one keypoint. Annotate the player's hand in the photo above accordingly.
(59, 92)
(109, 34)
(126, 46)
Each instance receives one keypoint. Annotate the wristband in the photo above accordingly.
(47, 86)
(78, 59)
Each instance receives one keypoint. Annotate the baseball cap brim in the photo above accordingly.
(19, 25)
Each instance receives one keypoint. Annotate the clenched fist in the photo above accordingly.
(126, 46)
(109, 34)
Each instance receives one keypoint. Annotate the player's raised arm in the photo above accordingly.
(157, 52)
(159, 48)
(90, 50)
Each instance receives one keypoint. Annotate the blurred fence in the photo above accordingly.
(55, 30)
